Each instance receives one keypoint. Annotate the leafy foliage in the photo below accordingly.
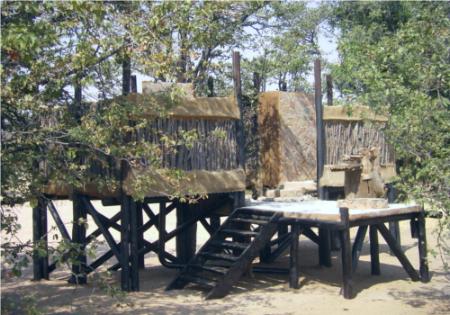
(395, 57)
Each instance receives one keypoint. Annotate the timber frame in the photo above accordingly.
(129, 251)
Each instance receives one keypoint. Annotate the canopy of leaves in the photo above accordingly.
(396, 56)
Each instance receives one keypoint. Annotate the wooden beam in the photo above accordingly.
(40, 264)
(346, 252)
(133, 84)
(320, 131)
(238, 95)
(134, 245)
(374, 251)
(59, 223)
(397, 250)
(125, 240)
(357, 245)
(293, 257)
(424, 274)
(107, 235)
(329, 90)
(186, 239)
(79, 237)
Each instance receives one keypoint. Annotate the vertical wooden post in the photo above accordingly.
(374, 251)
(125, 242)
(293, 257)
(140, 223)
(186, 241)
(394, 226)
(320, 132)
(133, 84)
(40, 264)
(134, 245)
(346, 251)
(238, 96)
(210, 85)
(79, 237)
(424, 274)
(324, 235)
(126, 75)
(329, 90)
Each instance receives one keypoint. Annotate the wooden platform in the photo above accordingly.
(322, 210)
(327, 216)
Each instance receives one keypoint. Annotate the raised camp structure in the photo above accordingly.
(213, 165)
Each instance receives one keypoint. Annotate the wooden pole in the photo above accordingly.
(424, 274)
(125, 243)
(210, 84)
(346, 252)
(374, 251)
(238, 96)
(126, 75)
(320, 132)
(79, 237)
(329, 90)
(324, 234)
(134, 245)
(186, 241)
(293, 257)
(140, 223)
(133, 84)
(40, 264)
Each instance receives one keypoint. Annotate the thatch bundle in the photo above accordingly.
(286, 124)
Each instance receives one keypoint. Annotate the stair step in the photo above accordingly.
(229, 245)
(208, 283)
(252, 217)
(249, 220)
(215, 256)
(261, 213)
(213, 269)
(238, 232)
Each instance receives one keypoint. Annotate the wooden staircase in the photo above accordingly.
(228, 254)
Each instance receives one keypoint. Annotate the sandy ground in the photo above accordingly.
(390, 293)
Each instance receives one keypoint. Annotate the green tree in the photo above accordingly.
(53, 50)
(395, 57)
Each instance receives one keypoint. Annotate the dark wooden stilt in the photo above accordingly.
(394, 226)
(40, 264)
(397, 250)
(125, 244)
(424, 274)
(186, 241)
(79, 237)
(324, 248)
(357, 246)
(134, 245)
(140, 223)
(374, 251)
(346, 251)
(293, 257)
